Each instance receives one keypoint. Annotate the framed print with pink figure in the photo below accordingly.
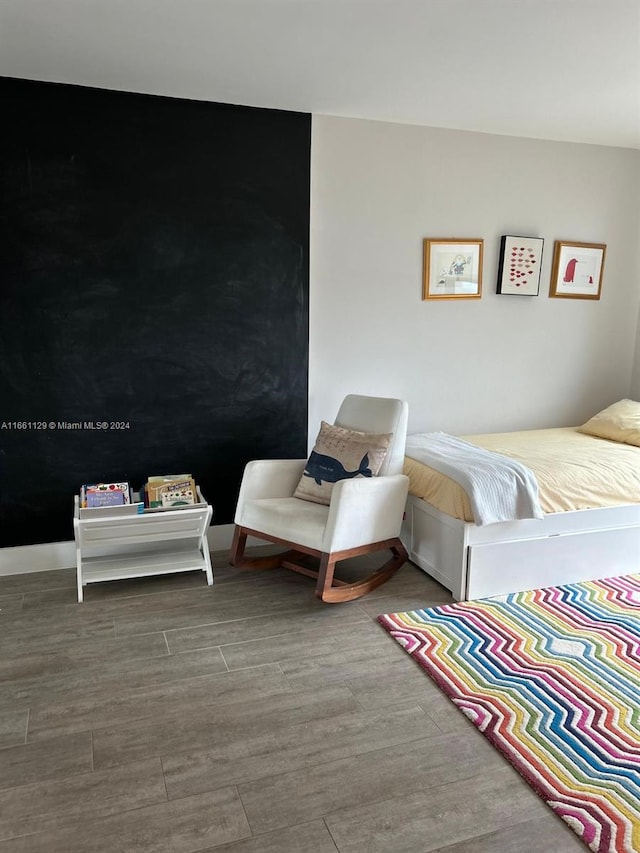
(577, 270)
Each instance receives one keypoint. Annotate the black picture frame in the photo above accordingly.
(520, 265)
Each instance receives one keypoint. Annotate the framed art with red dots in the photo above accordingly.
(520, 265)
(577, 270)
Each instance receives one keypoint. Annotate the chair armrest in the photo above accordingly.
(363, 511)
(269, 478)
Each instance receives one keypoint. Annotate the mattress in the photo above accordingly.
(573, 470)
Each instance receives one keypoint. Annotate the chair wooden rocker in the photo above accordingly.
(364, 514)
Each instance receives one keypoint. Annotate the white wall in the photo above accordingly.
(494, 364)
(635, 376)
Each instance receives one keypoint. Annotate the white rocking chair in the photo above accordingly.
(364, 514)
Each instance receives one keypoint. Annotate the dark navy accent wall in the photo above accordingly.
(153, 279)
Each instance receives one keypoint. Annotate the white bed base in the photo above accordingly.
(496, 559)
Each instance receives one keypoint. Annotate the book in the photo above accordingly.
(181, 493)
(104, 494)
(113, 497)
(158, 486)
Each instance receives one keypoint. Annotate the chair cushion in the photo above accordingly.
(340, 454)
(286, 518)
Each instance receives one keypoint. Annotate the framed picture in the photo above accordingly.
(577, 270)
(452, 269)
(520, 265)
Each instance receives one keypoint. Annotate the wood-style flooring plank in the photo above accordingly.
(400, 603)
(371, 777)
(52, 759)
(101, 593)
(13, 726)
(22, 634)
(99, 608)
(216, 609)
(318, 642)
(426, 819)
(306, 616)
(75, 654)
(343, 664)
(109, 709)
(73, 682)
(311, 837)
(10, 604)
(26, 582)
(398, 683)
(251, 757)
(180, 826)
(545, 833)
(48, 805)
(202, 728)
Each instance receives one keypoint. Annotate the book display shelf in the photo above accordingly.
(131, 541)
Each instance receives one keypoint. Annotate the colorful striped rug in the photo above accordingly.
(552, 678)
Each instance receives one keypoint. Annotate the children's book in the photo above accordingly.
(179, 494)
(156, 487)
(105, 494)
(114, 498)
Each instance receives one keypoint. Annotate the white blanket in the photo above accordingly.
(499, 488)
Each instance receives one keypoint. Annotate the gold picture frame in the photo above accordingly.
(577, 270)
(452, 268)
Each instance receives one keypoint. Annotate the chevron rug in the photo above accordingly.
(552, 678)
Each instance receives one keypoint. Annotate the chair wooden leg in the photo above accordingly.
(237, 557)
(238, 544)
(325, 575)
(328, 588)
(347, 592)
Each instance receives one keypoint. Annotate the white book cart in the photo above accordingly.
(113, 543)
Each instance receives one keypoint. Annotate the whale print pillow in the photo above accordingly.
(340, 454)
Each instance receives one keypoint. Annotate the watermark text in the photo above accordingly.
(64, 425)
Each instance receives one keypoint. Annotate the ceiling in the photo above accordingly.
(548, 69)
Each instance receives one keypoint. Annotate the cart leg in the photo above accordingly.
(79, 574)
(207, 560)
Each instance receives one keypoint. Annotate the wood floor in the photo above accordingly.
(165, 716)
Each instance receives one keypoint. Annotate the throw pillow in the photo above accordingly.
(340, 454)
(618, 422)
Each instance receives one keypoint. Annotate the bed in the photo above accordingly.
(589, 491)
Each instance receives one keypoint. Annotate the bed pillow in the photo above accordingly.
(619, 422)
(340, 454)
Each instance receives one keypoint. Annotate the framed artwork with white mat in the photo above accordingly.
(520, 265)
(577, 269)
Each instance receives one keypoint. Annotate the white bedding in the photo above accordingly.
(574, 471)
(499, 488)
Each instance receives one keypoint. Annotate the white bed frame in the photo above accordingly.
(495, 559)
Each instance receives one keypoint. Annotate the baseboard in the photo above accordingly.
(37, 558)
(62, 555)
